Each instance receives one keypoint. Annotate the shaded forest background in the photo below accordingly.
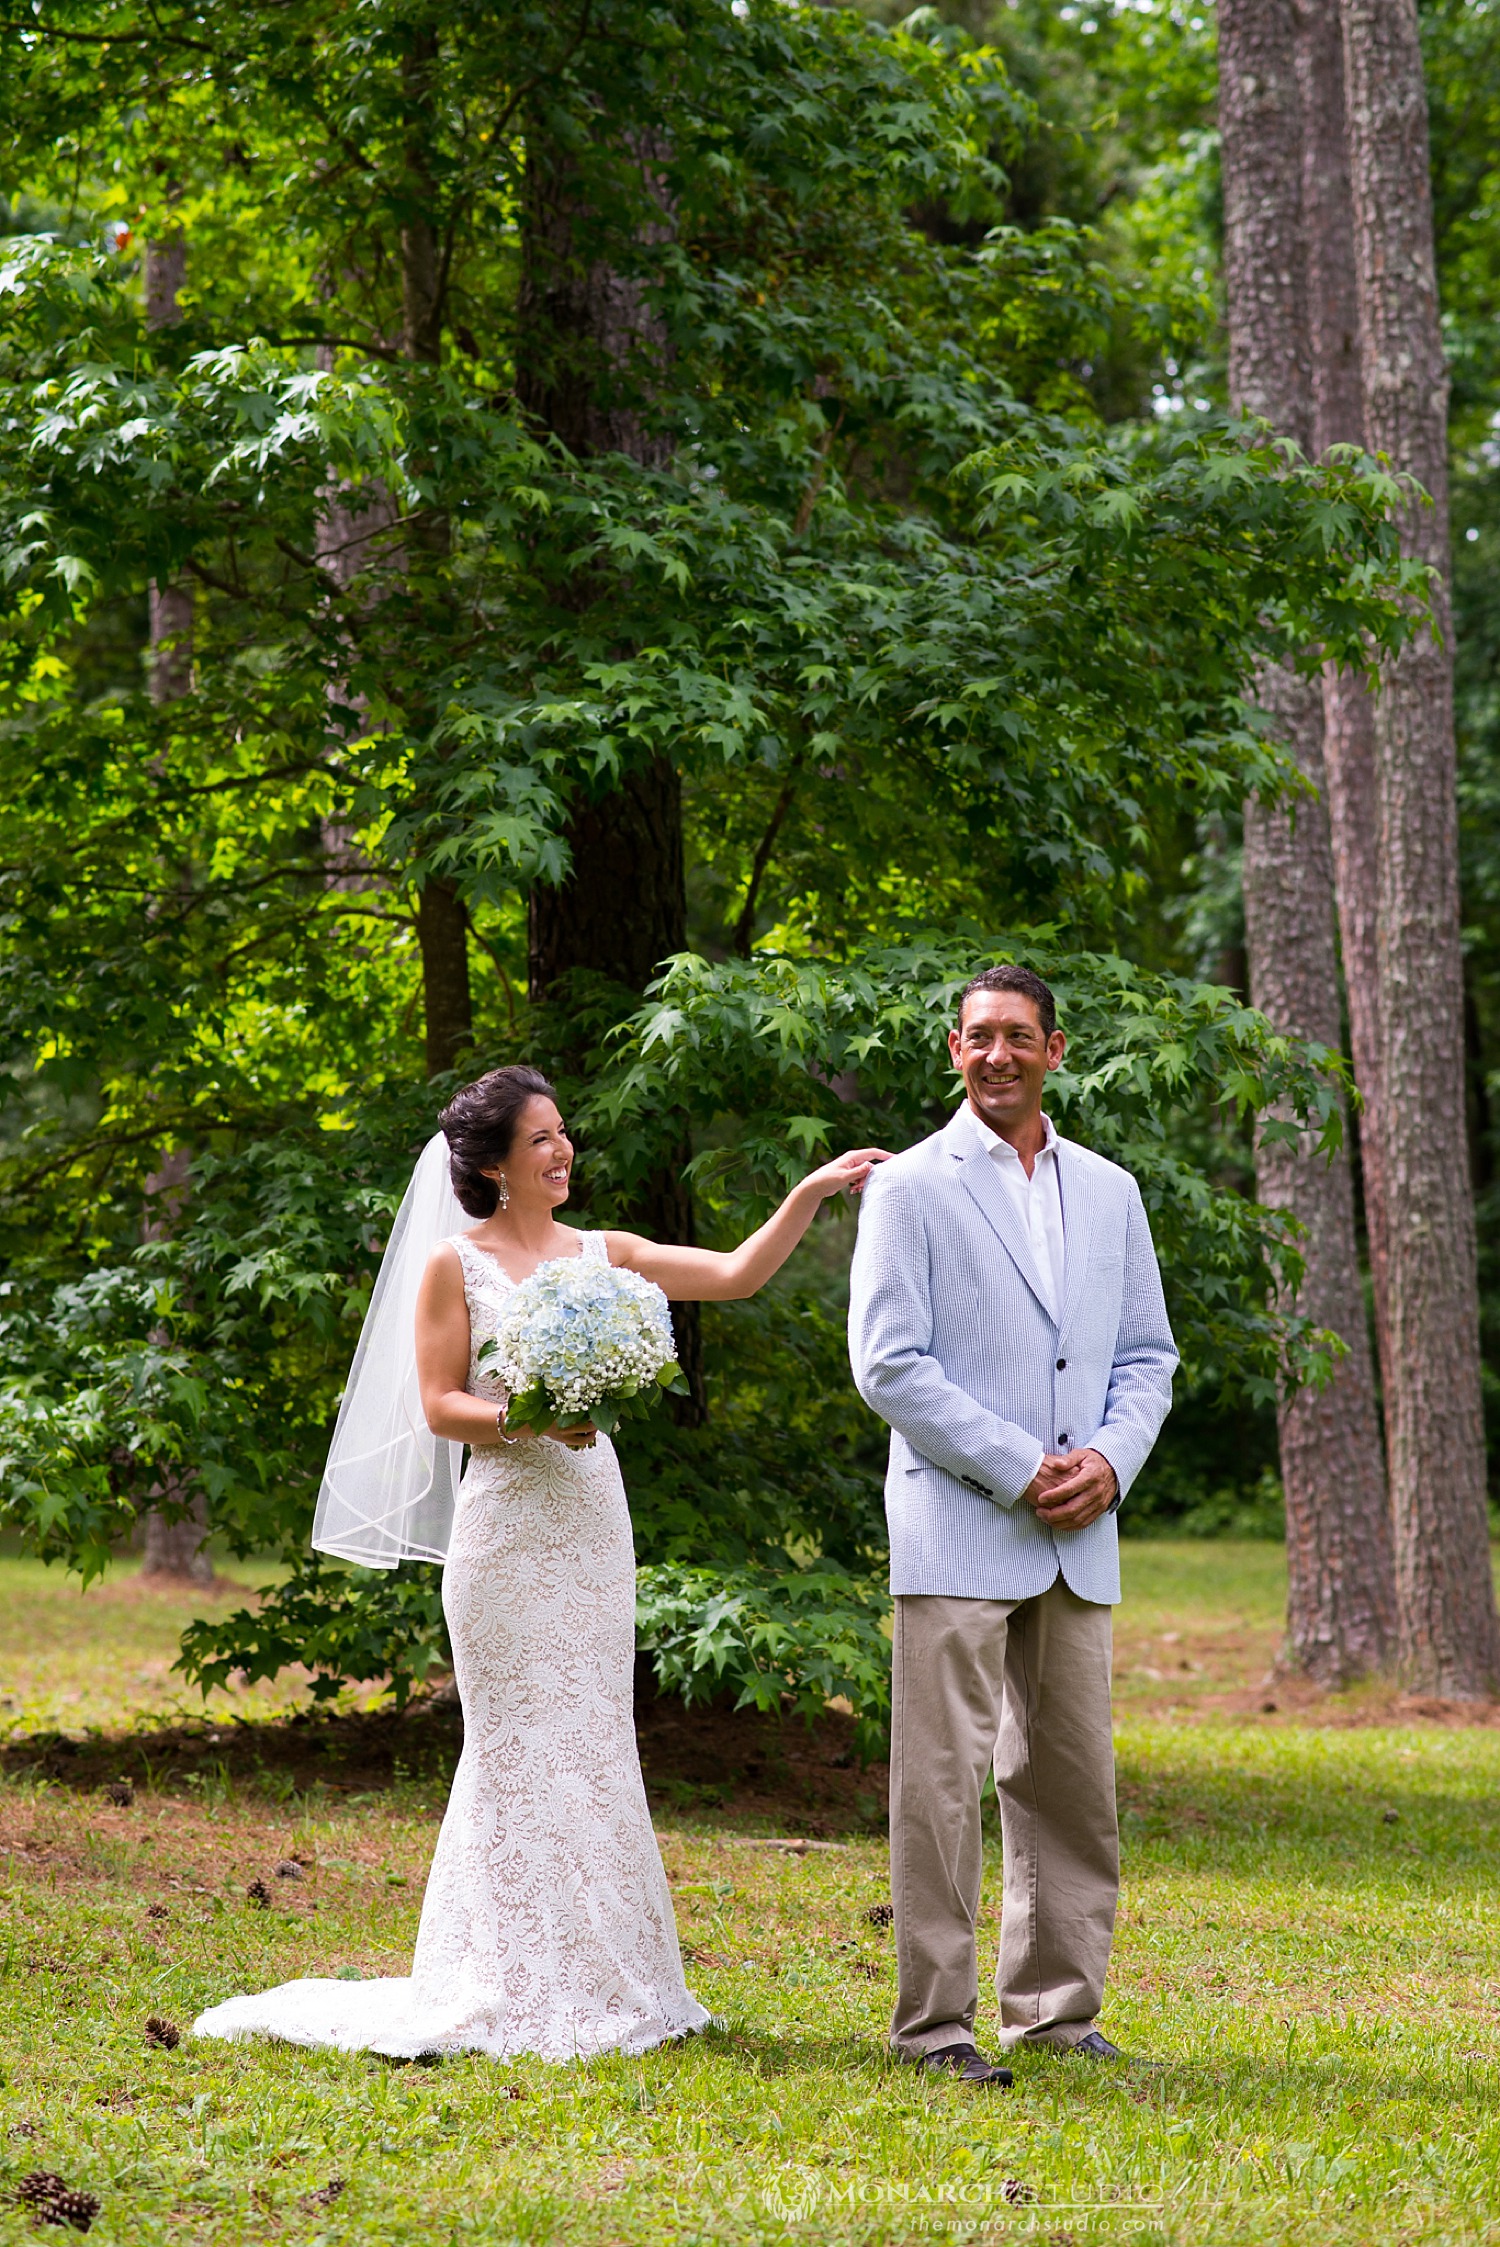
(889, 518)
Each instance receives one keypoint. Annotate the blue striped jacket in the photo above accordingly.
(952, 1344)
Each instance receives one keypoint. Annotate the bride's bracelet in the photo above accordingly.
(500, 1426)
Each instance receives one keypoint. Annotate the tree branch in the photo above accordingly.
(499, 966)
(744, 927)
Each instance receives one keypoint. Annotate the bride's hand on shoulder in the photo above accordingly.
(846, 1172)
(707, 1275)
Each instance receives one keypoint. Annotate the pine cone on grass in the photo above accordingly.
(1016, 2193)
(164, 2034)
(120, 1792)
(259, 1893)
(325, 2196)
(52, 2200)
(289, 1869)
(76, 2208)
(879, 1915)
(39, 2189)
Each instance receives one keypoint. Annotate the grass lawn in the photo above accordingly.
(1308, 1967)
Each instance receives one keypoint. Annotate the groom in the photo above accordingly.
(1006, 1318)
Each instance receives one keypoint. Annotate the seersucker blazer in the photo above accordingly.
(952, 1344)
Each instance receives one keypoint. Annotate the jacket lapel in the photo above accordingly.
(1078, 1229)
(978, 1174)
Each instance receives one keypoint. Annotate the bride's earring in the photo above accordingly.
(502, 1192)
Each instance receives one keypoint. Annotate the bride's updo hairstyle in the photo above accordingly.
(479, 1124)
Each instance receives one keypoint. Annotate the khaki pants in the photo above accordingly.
(1025, 1682)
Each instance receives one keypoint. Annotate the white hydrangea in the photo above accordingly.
(589, 1337)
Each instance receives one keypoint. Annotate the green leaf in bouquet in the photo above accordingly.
(530, 1408)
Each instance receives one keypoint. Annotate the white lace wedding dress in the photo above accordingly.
(547, 1926)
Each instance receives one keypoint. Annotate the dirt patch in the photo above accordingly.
(1289, 1700)
(136, 1590)
(804, 1781)
(807, 1780)
(1233, 1670)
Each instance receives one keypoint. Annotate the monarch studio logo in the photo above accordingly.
(800, 2196)
(806, 2196)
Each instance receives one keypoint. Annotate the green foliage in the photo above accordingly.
(929, 646)
(777, 1059)
(338, 1623)
(786, 1642)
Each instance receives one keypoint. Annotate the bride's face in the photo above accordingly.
(540, 1162)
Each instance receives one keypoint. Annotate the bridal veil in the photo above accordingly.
(389, 1486)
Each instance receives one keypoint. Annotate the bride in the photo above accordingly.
(546, 1926)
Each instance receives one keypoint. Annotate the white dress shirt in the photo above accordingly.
(1037, 1202)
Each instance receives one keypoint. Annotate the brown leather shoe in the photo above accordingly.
(966, 2065)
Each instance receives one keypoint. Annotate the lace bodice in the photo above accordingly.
(487, 1284)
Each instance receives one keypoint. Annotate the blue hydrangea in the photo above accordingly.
(590, 1337)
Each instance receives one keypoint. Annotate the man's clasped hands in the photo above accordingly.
(1071, 1488)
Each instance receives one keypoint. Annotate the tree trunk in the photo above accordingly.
(623, 908)
(343, 541)
(163, 275)
(443, 937)
(1348, 711)
(591, 350)
(171, 628)
(1449, 1634)
(1341, 1621)
(1340, 1603)
(171, 606)
(173, 1543)
(442, 922)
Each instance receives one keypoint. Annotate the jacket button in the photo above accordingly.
(1062, 1443)
(1062, 1365)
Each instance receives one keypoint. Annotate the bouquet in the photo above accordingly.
(580, 1341)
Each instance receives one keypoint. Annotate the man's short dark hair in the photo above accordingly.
(1022, 980)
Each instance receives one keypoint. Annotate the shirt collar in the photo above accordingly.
(991, 1140)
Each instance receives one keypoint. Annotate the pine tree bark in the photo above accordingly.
(1449, 1634)
(590, 345)
(1340, 1593)
(1338, 418)
(443, 941)
(591, 350)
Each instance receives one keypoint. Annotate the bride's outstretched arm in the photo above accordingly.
(704, 1275)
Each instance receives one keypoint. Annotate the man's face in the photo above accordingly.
(1003, 1056)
